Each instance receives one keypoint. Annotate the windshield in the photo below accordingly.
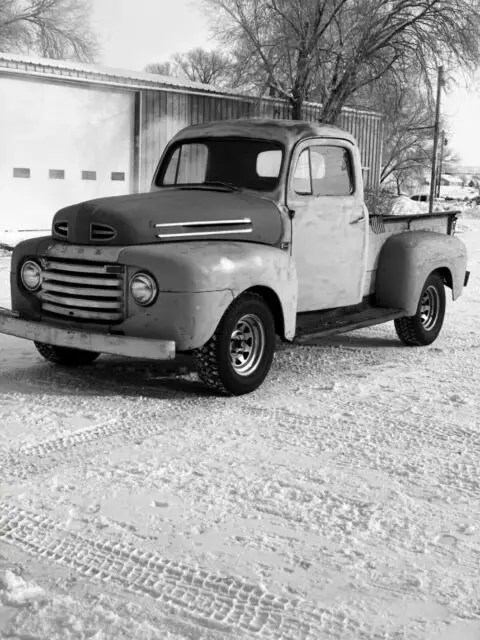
(229, 162)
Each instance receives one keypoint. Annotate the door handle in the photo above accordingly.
(357, 220)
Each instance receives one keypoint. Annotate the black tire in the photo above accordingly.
(423, 328)
(66, 356)
(229, 365)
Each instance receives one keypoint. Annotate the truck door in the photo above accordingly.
(329, 239)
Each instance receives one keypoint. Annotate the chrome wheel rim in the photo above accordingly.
(429, 307)
(247, 344)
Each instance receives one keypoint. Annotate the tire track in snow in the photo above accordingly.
(290, 426)
(30, 460)
(429, 432)
(376, 447)
(213, 600)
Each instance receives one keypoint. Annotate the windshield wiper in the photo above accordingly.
(218, 183)
(210, 183)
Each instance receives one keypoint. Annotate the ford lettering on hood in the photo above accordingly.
(176, 214)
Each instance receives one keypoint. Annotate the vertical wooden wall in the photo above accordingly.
(163, 113)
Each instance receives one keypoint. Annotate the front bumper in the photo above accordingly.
(13, 325)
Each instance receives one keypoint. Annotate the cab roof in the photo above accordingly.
(286, 132)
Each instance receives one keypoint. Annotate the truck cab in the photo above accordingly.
(252, 230)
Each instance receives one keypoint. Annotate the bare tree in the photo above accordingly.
(52, 28)
(200, 65)
(161, 68)
(328, 50)
(409, 118)
(207, 67)
(409, 114)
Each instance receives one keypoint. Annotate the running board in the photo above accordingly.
(320, 328)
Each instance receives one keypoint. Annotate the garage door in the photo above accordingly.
(60, 144)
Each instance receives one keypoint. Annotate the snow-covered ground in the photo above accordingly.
(339, 501)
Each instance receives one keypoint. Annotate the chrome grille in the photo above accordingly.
(83, 290)
(60, 228)
(102, 232)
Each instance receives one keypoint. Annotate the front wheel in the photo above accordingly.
(423, 328)
(238, 357)
(66, 356)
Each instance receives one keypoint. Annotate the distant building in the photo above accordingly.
(449, 180)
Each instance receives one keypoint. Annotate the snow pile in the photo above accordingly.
(99, 617)
(403, 205)
(16, 591)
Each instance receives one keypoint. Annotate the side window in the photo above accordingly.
(332, 173)
(302, 177)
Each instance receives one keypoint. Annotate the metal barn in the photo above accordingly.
(70, 132)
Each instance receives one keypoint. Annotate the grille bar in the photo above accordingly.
(82, 315)
(99, 282)
(87, 267)
(81, 303)
(83, 290)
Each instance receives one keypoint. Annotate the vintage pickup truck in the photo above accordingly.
(252, 229)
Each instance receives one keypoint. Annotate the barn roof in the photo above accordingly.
(20, 64)
(103, 75)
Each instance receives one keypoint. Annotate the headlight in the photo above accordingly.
(31, 275)
(143, 289)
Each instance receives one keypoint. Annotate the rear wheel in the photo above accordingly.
(423, 328)
(238, 357)
(66, 356)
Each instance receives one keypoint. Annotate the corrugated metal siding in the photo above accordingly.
(368, 131)
(165, 113)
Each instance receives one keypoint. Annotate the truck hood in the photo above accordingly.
(170, 215)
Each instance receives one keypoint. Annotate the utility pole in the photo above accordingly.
(435, 139)
(443, 142)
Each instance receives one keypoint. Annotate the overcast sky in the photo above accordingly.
(133, 33)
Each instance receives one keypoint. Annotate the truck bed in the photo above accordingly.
(440, 221)
(384, 226)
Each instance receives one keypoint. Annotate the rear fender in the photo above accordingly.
(407, 259)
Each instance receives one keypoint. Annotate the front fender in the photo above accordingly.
(207, 266)
(406, 260)
(197, 282)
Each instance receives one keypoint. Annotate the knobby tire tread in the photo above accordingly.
(206, 356)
